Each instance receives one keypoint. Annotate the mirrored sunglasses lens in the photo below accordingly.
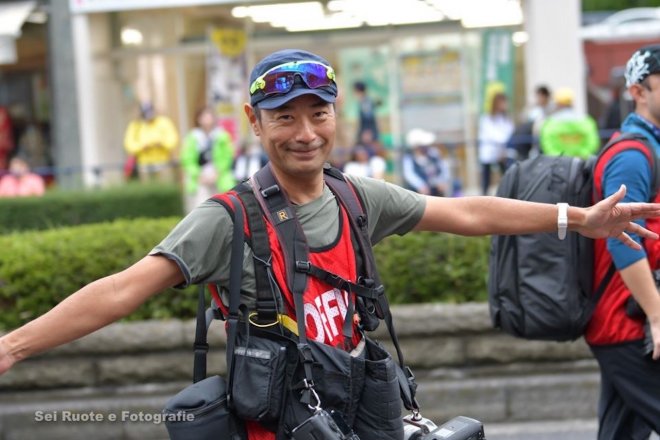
(315, 75)
(278, 82)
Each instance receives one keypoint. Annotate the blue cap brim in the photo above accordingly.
(275, 101)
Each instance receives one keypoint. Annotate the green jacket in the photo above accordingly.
(567, 134)
(222, 157)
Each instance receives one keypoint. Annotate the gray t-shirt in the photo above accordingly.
(201, 243)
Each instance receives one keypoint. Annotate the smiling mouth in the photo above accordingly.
(305, 153)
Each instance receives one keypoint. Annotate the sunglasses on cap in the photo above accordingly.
(280, 79)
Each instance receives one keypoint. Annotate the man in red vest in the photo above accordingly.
(292, 111)
(629, 406)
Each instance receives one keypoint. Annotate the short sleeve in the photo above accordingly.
(200, 244)
(391, 209)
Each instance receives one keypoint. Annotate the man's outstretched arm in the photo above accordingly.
(96, 305)
(494, 215)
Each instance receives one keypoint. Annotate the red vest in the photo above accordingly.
(325, 306)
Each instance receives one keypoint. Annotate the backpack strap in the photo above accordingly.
(204, 318)
(268, 303)
(277, 208)
(621, 142)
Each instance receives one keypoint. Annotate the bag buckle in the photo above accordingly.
(303, 266)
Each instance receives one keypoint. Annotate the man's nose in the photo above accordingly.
(305, 132)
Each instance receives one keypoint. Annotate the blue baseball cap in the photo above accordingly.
(269, 102)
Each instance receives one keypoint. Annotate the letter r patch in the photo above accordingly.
(282, 215)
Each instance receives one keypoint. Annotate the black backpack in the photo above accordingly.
(540, 287)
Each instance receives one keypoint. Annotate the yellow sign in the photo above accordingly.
(230, 42)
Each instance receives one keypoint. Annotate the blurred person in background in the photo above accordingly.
(6, 138)
(366, 113)
(424, 170)
(619, 106)
(21, 181)
(365, 165)
(524, 139)
(542, 106)
(567, 132)
(495, 130)
(207, 157)
(251, 159)
(151, 140)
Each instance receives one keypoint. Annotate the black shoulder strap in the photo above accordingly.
(201, 346)
(277, 208)
(269, 300)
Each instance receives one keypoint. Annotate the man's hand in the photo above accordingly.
(609, 218)
(6, 359)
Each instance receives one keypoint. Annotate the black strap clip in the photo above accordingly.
(303, 266)
(200, 347)
(305, 353)
(266, 310)
(271, 190)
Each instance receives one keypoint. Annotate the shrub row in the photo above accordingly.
(68, 208)
(38, 269)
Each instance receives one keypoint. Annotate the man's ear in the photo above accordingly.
(636, 92)
(254, 123)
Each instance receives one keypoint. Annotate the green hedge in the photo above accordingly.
(68, 208)
(40, 268)
(429, 267)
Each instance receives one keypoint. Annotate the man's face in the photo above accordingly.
(298, 137)
(651, 93)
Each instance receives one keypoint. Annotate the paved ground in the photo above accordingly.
(556, 430)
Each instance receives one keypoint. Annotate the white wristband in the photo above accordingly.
(562, 220)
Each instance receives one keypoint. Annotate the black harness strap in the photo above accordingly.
(277, 208)
(269, 299)
(340, 283)
(204, 319)
(235, 271)
(358, 218)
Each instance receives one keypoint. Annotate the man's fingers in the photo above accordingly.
(644, 210)
(616, 197)
(641, 231)
(625, 239)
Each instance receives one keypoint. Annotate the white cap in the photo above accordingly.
(418, 137)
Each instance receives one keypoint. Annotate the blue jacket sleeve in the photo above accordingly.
(631, 168)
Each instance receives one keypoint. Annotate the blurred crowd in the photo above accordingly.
(208, 159)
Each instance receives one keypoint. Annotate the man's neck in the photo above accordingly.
(301, 189)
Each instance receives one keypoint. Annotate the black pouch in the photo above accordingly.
(259, 373)
(379, 412)
(199, 412)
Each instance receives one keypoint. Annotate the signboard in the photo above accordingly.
(226, 67)
(497, 66)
